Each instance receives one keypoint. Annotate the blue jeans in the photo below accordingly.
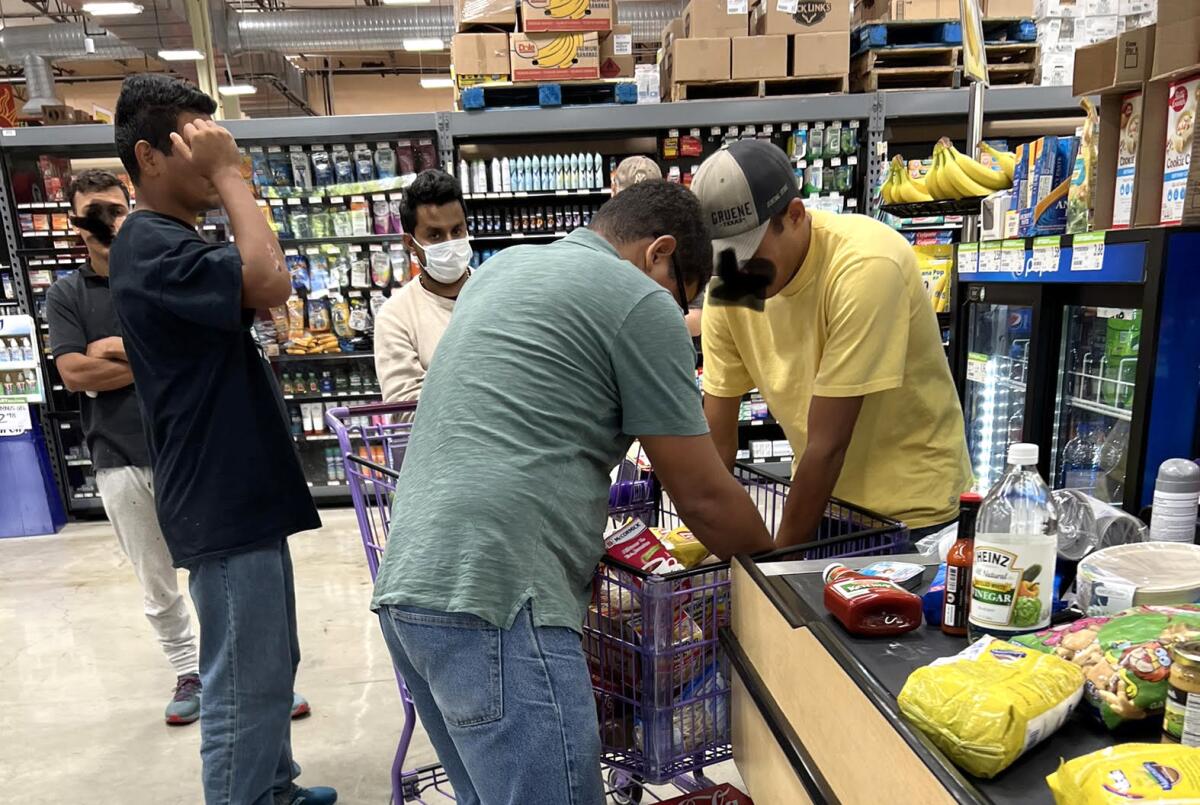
(249, 650)
(509, 711)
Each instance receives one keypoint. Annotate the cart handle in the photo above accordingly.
(382, 408)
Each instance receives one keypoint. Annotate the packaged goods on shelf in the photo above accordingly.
(558, 16)
(821, 54)
(700, 59)
(775, 17)
(1041, 181)
(616, 53)
(480, 58)
(1123, 657)
(1180, 145)
(554, 57)
(896, 10)
(714, 18)
(987, 705)
(759, 57)
(1145, 772)
(1081, 195)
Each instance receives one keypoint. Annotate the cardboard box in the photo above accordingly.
(821, 54)
(1099, 8)
(473, 14)
(1177, 38)
(553, 57)
(759, 57)
(709, 18)
(703, 59)
(810, 17)
(479, 58)
(1148, 186)
(1095, 66)
(1135, 56)
(1057, 8)
(544, 16)
(671, 31)
(1010, 8)
(616, 52)
(890, 10)
(1097, 29)
(57, 115)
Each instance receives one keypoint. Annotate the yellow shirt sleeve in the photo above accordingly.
(725, 374)
(866, 333)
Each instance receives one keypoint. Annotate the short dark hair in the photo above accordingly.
(431, 186)
(149, 109)
(654, 208)
(94, 180)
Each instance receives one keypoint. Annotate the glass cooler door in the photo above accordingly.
(998, 343)
(1094, 404)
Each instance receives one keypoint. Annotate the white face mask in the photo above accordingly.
(447, 261)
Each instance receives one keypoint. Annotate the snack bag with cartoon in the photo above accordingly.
(1162, 773)
(1124, 657)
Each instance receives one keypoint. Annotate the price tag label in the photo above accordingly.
(787, 6)
(736, 7)
(1046, 253)
(989, 256)
(1012, 257)
(1087, 252)
(967, 259)
(977, 367)
(14, 419)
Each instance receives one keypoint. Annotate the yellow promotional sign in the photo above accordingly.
(974, 56)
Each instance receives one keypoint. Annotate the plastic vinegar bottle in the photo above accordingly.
(1016, 548)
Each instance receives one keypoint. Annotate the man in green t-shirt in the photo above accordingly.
(557, 357)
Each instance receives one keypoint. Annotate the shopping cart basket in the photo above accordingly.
(371, 440)
(660, 678)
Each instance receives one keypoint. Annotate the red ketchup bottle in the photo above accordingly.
(868, 605)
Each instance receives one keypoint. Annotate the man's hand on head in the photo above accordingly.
(210, 148)
(111, 348)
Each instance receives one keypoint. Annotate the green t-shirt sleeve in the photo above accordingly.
(655, 367)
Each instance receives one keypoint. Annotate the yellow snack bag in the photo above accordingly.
(1129, 772)
(991, 702)
(684, 546)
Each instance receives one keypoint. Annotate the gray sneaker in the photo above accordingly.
(185, 704)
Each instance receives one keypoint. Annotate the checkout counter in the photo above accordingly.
(814, 712)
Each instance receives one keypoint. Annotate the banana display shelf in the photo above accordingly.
(955, 183)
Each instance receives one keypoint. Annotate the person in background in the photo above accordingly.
(556, 358)
(410, 324)
(629, 172)
(845, 348)
(85, 340)
(230, 488)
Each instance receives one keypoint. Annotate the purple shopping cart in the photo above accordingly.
(372, 439)
(658, 675)
(660, 679)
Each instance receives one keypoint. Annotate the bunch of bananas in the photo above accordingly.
(568, 9)
(952, 175)
(560, 51)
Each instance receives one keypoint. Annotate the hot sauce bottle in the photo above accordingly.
(957, 603)
(868, 605)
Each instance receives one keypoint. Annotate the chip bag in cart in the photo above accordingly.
(987, 705)
(1163, 773)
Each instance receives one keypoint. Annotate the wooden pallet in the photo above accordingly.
(906, 78)
(758, 87)
(547, 95)
(882, 58)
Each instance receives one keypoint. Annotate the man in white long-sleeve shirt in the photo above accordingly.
(409, 325)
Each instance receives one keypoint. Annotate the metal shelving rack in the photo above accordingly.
(451, 129)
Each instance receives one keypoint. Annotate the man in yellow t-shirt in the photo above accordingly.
(826, 315)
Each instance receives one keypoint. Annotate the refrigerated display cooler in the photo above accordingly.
(1087, 346)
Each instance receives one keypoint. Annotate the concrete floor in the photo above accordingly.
(83, 682)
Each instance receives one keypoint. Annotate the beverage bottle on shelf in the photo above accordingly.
(26, 349)
(869, 605)
(612, 168)
(355, 380)
(1081, 465)
(297, 423)
(1110, 486)
(313, 388)
(326, 382)
(1016, 548)
(956, 604)
(286, 382)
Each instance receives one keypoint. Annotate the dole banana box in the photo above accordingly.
(544, 16)
(555, 57)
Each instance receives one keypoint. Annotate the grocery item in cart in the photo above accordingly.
(1145, 772)
(635, 545)
(989, 704)
(683, 545)
(1125, 658)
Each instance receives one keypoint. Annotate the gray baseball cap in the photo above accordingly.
(741, 187)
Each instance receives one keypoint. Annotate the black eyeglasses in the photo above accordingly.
(680, 290)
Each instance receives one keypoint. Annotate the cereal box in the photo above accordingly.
(1127, 147)
(1181, 125)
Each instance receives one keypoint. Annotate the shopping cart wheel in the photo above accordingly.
(623, 789)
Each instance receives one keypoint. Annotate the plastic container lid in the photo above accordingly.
(1023, 453)
(1178, 475)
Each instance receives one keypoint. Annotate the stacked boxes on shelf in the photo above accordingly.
(1064, 26)
(718, 40)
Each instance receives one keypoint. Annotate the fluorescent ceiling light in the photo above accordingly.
(437, 83)
(432, 43)
(119, 9)
(180, 55)
(237, 89)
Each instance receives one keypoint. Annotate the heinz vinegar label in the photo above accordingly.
(1012, 581)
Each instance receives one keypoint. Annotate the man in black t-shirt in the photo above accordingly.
(230, 489)
(87, 347)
